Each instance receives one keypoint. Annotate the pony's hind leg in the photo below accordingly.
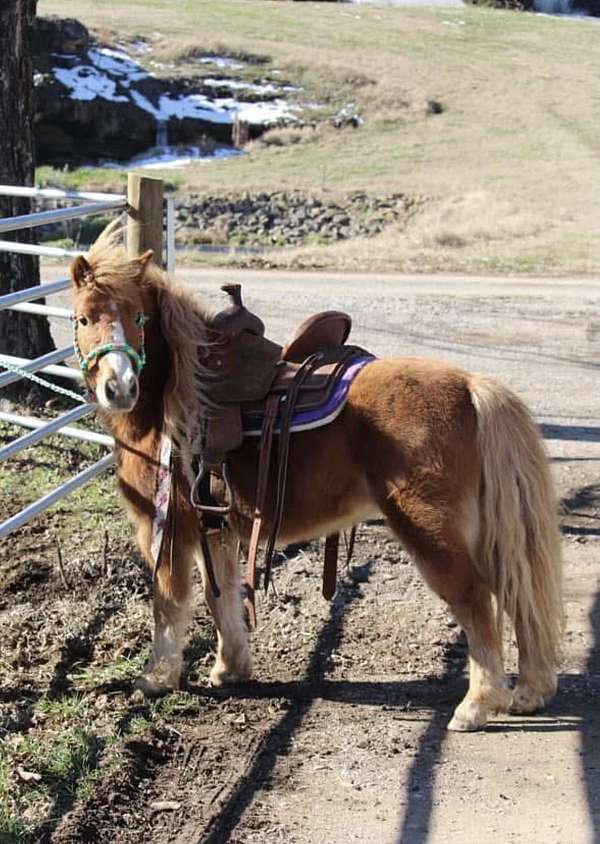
(446, 563)
(537, 681)
(233, 662)
(488, 692)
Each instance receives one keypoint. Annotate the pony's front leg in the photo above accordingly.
(172, 590)
(234, 660)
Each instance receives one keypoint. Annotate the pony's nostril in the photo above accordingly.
(133, 389)
(110, 388)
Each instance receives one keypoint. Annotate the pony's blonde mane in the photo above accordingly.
(183, 317)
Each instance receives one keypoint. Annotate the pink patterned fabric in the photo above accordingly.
(162, 497)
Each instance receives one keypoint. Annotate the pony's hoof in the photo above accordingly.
(460, 725)
(525, 701)
(148, 688)
(468, 717)
(221, 676)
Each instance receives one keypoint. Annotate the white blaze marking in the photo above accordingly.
(119, 362)
(117, 368)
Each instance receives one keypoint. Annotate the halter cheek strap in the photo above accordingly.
(91, 359)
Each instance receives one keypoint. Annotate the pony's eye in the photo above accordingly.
(83, 320)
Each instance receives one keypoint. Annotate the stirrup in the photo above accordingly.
(220, 510)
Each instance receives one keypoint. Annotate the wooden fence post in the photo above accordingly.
(145, 216)
(240, 133)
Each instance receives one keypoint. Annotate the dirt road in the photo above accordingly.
(342, 736)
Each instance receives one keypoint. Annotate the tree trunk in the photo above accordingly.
(20, 334)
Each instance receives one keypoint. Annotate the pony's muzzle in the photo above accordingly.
(114, 393)
(117, 388)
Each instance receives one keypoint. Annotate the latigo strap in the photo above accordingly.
(264, 463)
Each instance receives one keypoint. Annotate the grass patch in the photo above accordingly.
(62, 761)
(41, 777)
(118, 671)
(13, 827)
(103, 179)
(68, 708)
(54, 766)
(35, 471)
(81, 178)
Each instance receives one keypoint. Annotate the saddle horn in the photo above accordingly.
(236, 318)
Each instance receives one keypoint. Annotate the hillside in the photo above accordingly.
(488, 115)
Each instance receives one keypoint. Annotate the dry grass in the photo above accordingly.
(476, 217)
(519, 97)
(285, 136)
(176, 49)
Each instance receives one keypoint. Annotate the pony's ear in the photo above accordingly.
(80, 271)
(145, 258)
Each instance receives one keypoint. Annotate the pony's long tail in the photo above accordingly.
(520, 540)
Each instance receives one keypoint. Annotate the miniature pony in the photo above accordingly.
(453, 461)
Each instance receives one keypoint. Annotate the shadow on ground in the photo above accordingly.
(576, 699)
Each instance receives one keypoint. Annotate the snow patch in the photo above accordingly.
(221, 61)
(86, 83)
(140, 46)
(219, 110)
(110, 70)
(171, 157)
(118, 64)
(262, 88)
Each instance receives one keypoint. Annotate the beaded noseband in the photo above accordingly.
(91, 359)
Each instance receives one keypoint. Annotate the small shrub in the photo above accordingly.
(285, 136)
(516, 5)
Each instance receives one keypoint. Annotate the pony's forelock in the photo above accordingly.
(113, 272)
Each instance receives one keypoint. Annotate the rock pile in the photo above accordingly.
(285, 218)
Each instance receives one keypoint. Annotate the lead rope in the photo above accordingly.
(62, 391)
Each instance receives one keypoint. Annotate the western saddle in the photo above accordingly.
(259, 379)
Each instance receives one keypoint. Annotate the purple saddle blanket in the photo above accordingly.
(306, 420)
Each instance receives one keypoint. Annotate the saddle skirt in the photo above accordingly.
(319, 406)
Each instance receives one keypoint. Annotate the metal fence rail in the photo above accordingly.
(67, 372)
(44, 430)
(57, 193)
(36, 364)
(32, 294)
(76, 433)
(37, 249)
(44, 218)
(27, 301)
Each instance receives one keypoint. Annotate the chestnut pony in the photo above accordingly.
(453, 461)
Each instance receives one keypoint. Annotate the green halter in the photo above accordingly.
(88, 362)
